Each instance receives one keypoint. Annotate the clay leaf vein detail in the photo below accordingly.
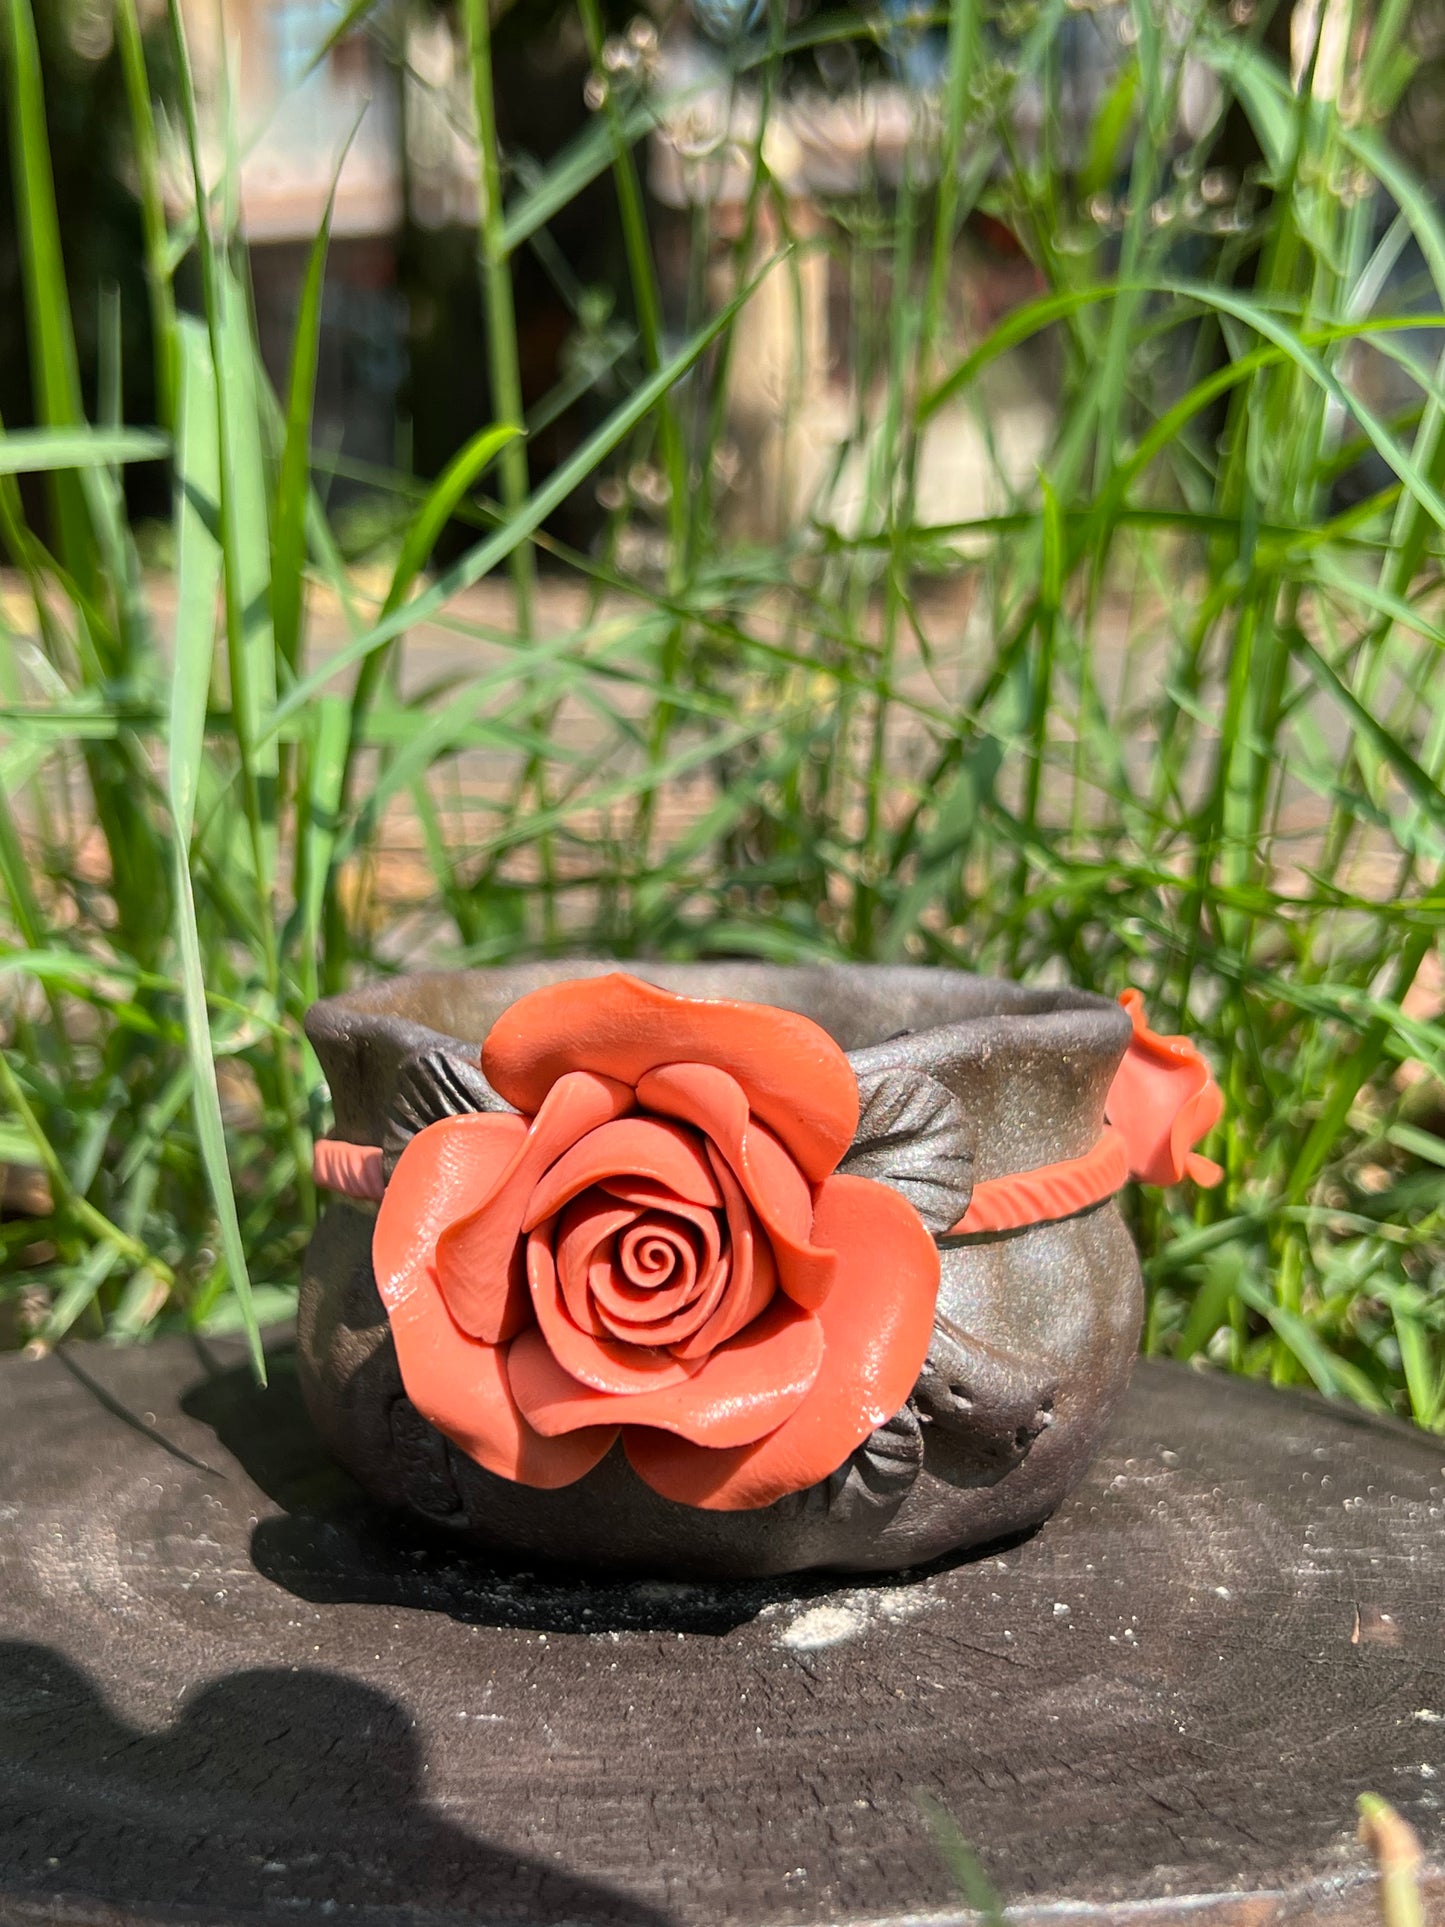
(913, 1135)
(434, 1083)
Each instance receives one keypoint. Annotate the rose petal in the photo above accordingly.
(716, 1104)
(587, 1226)
(795, 1077)
(590, 1223)
(1204, 1171)
(661, 1315)
(622, 1291)
(601, 1363)
(654, 1256)
(1163, 1100)
(606, 1308)
(674, 1331)
(459, 1384)
(479, 1259)
(468, 1396)
(648, 1195)
(740, 1393)
(645, 1147)
(754, 1276)
(877, 1324)
(435, 1183)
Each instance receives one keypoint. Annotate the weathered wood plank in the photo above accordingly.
(229, 1689)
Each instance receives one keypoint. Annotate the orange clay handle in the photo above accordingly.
(1161, 1102)
(352, 1169)
(1051, 1191)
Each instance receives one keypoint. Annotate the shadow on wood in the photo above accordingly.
(270, 1788)
(330, 1544)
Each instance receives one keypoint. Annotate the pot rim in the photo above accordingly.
(1028, 1013)
(1033, 1062)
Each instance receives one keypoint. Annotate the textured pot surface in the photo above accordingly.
(1033, 1343)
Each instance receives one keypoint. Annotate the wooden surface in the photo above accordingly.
(230, 1691)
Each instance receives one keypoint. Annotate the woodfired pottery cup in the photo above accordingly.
(969, 1088)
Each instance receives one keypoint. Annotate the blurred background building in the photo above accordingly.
(285, 90)
(289, 97)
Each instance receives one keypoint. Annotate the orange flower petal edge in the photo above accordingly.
(876, 1325)
(459, 1383)
(745, 1390)
(605, 1365)
(1163, 1100)
(643, 1147)
(753, 1272)
(479, 1258)
(795, 1077)
(716, 1104)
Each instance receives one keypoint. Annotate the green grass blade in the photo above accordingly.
(38, 451)
(356, 15)
(200, 567)
(963, 1864)
(503, 349)
(247, 558)
(293, 479)
(553, 492)
(146, 146)
(1421, 1379)
(1332, 1375)
(1417, 782)
(318, 807)
(55, 368)
(446, 495)
(574, 169)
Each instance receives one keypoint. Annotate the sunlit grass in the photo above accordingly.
(1172, 715)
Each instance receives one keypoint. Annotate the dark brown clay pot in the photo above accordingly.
(1036, 1328)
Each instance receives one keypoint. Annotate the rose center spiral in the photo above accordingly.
(657, 1276)
(640, 1264)
(657, 1251)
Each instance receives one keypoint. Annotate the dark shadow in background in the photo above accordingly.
(295, 1795)
(331, 1545)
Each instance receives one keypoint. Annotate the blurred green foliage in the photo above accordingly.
(1167, 710)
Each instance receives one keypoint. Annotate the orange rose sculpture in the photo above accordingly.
(1163, 1100)
(655, 1245)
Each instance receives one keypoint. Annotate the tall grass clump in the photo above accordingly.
(1163, 707)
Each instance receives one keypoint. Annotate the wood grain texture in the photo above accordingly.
(232, 1691)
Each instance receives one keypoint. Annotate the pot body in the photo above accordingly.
(1034, 1338)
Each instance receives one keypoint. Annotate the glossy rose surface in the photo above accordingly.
(658, 1246)
(1164, 1100)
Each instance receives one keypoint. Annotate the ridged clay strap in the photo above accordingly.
(1051, 1192)
(352, 1169)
